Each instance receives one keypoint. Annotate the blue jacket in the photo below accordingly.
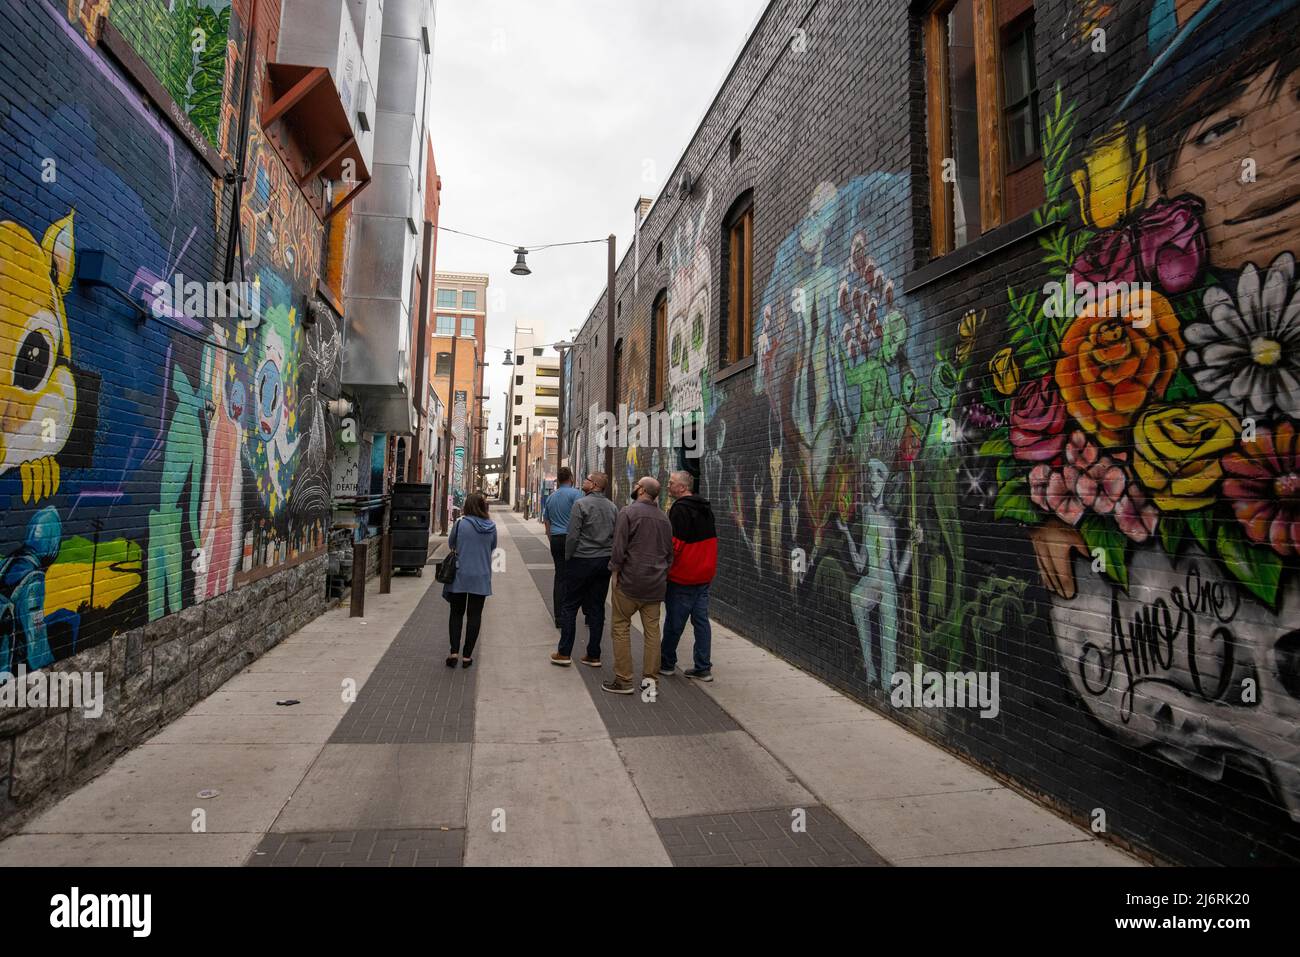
(474, 540)
(558, 506)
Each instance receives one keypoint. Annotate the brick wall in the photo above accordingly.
(926, 466)
(163, 491)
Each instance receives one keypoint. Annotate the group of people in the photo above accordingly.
(646, 557)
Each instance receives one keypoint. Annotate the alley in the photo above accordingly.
(517, 762)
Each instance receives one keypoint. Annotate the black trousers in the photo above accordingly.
(460, 602)
(586, 584)
(557, 556)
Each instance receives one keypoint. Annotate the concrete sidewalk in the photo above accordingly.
(515, 761)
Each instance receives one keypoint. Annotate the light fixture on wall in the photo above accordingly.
(685, 185)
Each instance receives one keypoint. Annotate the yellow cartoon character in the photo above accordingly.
(38, 397)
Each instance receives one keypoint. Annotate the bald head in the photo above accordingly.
(649, 487)
(599, 482)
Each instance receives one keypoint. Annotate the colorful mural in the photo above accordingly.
(1150, 437)
(145, 465)
(1089, 481)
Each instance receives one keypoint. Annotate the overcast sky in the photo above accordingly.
(550, 118)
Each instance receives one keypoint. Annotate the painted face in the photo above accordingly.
(270, 398)
(1246, 221)
(235, 400)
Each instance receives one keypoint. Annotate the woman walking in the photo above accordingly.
(473, 539)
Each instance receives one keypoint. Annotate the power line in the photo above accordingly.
(499, 242)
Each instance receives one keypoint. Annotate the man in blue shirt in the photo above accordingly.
(555, 516)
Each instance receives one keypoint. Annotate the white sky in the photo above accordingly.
(550, 118)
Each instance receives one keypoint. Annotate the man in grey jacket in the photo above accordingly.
(587, 549)
(642, 553)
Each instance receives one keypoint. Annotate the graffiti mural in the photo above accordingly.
(1150, 444)
(145, 466)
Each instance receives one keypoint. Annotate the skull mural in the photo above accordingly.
(689, 306)
(1194, 668)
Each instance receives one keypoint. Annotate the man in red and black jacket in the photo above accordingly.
(695, 561)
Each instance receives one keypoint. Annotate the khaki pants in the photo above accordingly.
(624, 609)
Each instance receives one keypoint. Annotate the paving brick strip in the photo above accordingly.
(718, 769)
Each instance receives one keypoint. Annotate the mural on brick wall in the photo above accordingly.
(144, 465)
(1130, 409)
(1151, 395)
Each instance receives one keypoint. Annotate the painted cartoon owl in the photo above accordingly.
(38, 397)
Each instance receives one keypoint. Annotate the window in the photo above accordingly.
(442, 364)
(467, 325)
(519, 360)
(618, 371)
(519, 400)
(519, 380)
(983, 128)
(538, 352)
(446, 298)
(737, 267)
(659, 253)
(658, 348)
(519, 420)
(469, 299)
(735, 146)
(446, 326)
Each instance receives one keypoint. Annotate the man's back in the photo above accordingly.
(558, 508)
(643, 550)
(591, 527)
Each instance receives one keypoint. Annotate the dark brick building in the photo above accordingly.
(985, 316)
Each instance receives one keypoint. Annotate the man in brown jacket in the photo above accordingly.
(643, 550)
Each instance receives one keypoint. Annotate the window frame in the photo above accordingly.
(989, 105)
(469, 299)
(737, 339)
(439, 330)
(659, 349)
(439, 304)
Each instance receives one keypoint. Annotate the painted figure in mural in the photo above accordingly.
(38, 396)
(182, 475)
(1159, 431)
(827, 310)
(24, 636)
(221, 513)
(689, 307)
(272, 443)
(883, 562)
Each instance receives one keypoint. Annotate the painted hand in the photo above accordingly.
(1053, 543)
(40, 478)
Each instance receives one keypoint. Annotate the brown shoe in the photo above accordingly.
(592, 662)
(562, 660)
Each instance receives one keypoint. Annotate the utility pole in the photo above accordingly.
(451, 413)
(610, 398)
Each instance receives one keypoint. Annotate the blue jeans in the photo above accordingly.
(682, 602)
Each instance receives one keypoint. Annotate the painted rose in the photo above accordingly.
(1171, 242)
(1110, 257)
(1006, 374)
(1113, 180)
(1116, 359)
(1037, 422)
(1262, 481)
(1179, 450)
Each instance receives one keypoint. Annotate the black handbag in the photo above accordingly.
(445, 573)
